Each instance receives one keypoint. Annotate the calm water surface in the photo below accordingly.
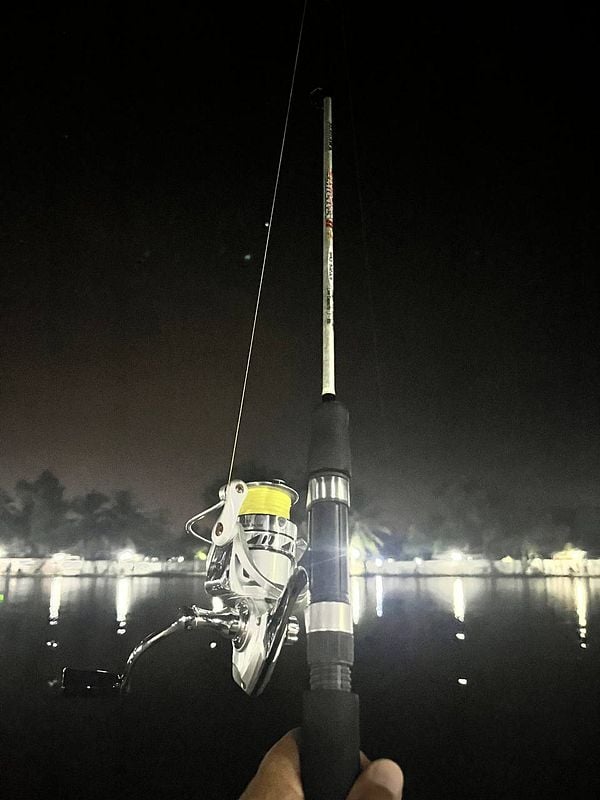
(479, 687)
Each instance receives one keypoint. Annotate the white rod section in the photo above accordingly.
(328, 334)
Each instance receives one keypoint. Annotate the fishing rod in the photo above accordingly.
(330, 741)
(254, 576)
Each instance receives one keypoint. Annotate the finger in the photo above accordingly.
(284, 754)
(381, 780)
(278, 776)
(286, 750)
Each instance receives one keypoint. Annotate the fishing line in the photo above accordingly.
(264, 261)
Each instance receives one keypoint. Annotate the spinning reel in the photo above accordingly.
(252, 568)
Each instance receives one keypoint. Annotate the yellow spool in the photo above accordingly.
(268, 499)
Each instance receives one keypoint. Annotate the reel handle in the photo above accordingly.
(329, 743)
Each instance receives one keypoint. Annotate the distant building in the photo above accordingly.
(570, 554)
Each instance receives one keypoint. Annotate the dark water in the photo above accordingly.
(525, 724)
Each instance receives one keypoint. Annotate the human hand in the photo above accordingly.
(278, 776)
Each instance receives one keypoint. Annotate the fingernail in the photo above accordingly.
(387, 774)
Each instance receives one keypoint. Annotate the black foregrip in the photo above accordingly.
(330, 439)
(329, 744)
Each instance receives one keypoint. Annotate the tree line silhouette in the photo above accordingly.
(38, 519)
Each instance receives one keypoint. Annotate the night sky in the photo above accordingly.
(138, 162)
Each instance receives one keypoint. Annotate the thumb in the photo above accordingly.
(381, 780)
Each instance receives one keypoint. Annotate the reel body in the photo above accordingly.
(255, 555)
(250, 566)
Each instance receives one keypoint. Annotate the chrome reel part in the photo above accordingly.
(252, 566)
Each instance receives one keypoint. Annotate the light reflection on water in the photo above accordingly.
(379, 595)
(581, 607)
(55, 597)
(523, 651)
(572, 597)
(19, 590)
(458, 599)
(357, 598)
(122, 603)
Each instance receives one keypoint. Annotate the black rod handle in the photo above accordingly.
(329, 743)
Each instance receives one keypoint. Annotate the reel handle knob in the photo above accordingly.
(89, 682)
